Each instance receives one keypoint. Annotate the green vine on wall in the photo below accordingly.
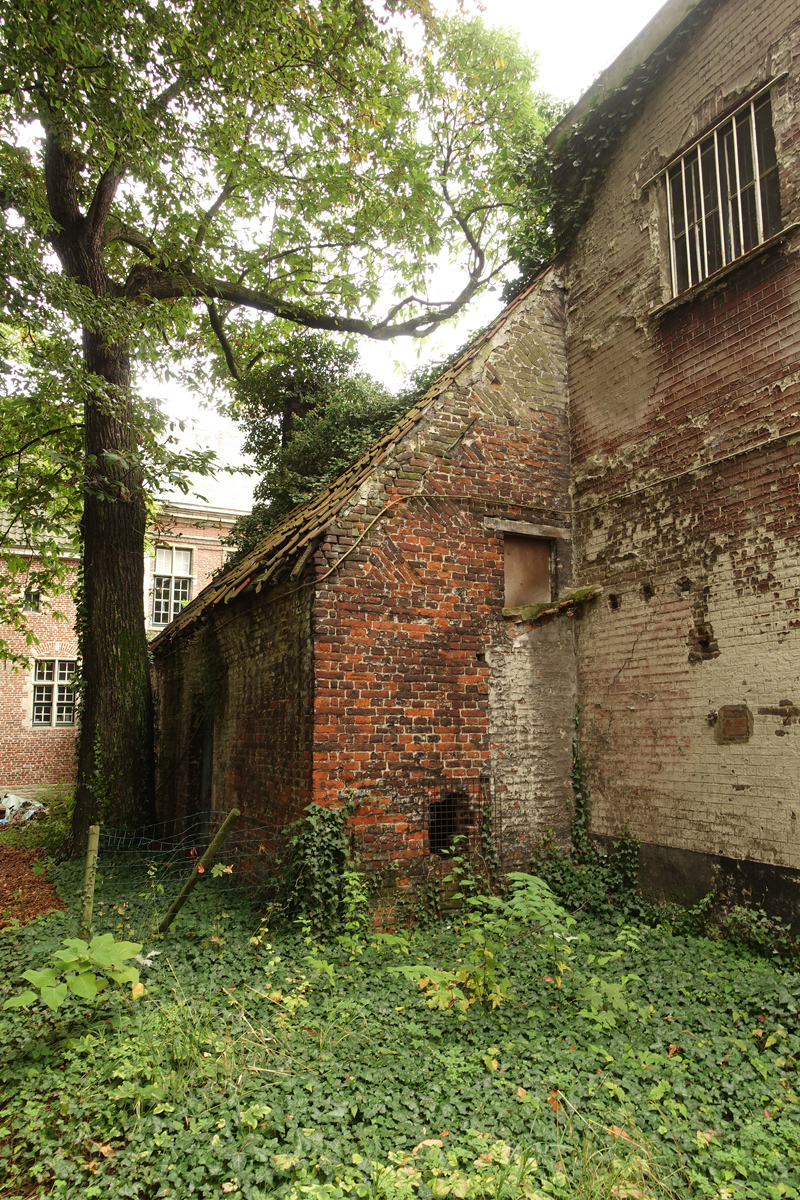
(581, 797)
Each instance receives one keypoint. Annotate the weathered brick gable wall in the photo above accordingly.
(701, 572)
(420, 682)
(247, 670)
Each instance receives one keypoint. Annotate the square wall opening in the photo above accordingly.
(527, 570)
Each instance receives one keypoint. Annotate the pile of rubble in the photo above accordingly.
(17, 810)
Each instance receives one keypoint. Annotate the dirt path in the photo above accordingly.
(23, 895)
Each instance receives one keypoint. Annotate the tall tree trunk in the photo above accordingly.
(115, 747)
(115, 751)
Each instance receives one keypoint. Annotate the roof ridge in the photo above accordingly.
(308, 520)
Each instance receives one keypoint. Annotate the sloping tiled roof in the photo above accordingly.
(298, 529)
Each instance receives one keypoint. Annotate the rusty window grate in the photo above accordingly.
(460, 814)
(723, 195)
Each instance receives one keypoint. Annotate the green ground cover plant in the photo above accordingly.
(600, 1054)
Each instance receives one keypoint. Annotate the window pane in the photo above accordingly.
(771, 204)
(163, 560)
(765, 137)
(182, 562)
(161, 594)
(42, 705)
(44, 671)
(711, 205)
(65, 671)
(180, 595)
(65, 706)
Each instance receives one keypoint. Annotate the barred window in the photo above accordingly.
(54, 691)
(723, 195)
(171, 584)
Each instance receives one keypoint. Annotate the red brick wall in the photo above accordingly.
(248, 669)
(31, 756)
(410, 642)
(701, 569)
(417, 683)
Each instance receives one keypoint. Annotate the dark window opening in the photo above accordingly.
(647, 592)
(613, 602)
(449, 818)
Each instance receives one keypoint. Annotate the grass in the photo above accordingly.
(272, 1062)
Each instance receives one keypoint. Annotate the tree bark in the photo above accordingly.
(115, 750)
(115, 770)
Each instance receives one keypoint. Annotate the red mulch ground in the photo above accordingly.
(23, 895)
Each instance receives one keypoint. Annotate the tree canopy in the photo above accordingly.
(176, 174)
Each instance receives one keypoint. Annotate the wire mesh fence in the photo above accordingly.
(456, 817)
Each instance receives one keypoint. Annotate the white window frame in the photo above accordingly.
(54, 698)
(687, 176)
(171, 591)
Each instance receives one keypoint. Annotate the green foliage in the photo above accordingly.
(78, 963)
(307, 417)
(489, 926)
(664, 1066)
(318, 878)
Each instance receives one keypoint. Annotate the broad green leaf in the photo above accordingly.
(84, 985)
(54, 996)
(23, 1000)
(40, 979)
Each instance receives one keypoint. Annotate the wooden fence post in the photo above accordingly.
(188, 887)
(88, 880)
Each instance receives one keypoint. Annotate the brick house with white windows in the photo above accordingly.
(632, 420)
(37, 705)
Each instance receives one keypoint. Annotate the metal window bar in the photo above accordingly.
(701, 190)
(686, 223)
(722, 237)
(756, 174)
(733, 231)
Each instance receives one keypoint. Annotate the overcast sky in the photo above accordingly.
(574, 41)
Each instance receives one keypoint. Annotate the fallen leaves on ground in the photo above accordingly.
(23, 895)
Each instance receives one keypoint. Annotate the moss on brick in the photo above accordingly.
(564, 606)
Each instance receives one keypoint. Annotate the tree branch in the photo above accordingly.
(119, 231)
(148, 281)
(60, 181)
(208, 216)
(103, 198)
(20, 450)
(216, 325)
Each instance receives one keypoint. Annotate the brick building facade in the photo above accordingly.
(363, 647)
(685, 420)
(37, 704)
(632, 419)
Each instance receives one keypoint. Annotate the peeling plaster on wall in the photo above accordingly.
(532, 682)
(679, 786)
